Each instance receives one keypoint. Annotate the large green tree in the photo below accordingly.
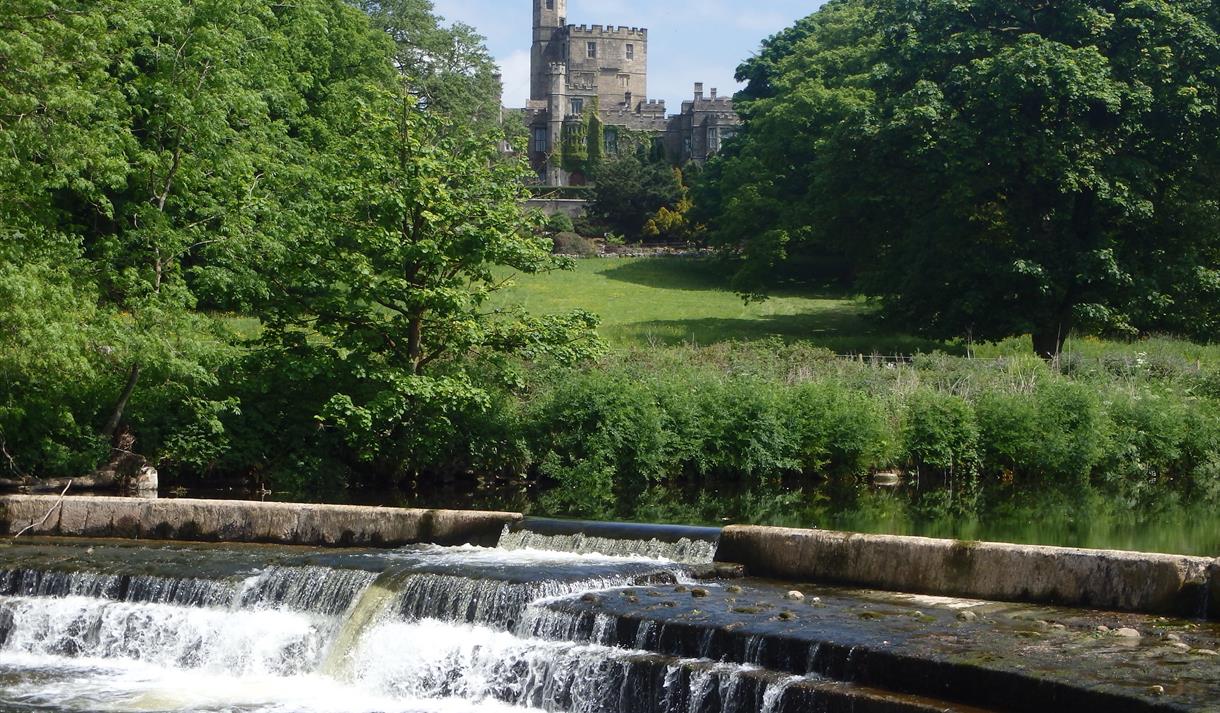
(404, 231)
(447, 67)
(995, 167)
(140, 139)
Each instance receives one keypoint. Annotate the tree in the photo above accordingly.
(140, 140)
(383, 289)
(1000, 168)
(627, 191)
(448, 68)
(773, 193)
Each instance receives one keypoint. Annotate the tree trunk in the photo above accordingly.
(415, 343)
(116, 417)
(1048, 340)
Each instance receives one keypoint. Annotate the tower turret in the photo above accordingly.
(550, 17)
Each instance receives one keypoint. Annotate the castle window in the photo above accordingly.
(630, 51)
(578, 106)
(610, 136)
(540, 139)
(550, 4)
(624, 81)
(591, 47)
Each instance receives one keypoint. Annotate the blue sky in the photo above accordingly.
(689, 40)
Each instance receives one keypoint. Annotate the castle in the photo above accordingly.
(579, 70)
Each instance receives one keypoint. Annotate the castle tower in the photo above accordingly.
(550, 16)
(557, 102)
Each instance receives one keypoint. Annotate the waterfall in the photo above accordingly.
(322, 590)
(684, 549)
(186, 591)
(237, 642)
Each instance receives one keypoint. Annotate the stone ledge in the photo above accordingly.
(245, 521)
(1120, 581)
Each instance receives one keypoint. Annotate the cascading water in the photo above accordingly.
(153, 627)
(419, 629)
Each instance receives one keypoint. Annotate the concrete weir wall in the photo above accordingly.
(1120, 581)
(243, 521)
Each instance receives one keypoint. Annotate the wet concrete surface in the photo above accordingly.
(1001, 656)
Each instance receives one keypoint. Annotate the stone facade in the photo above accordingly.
(705, 123)
(579, 69)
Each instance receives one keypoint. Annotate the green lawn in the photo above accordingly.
(649, 301)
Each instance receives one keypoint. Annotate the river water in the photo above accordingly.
(544, 622)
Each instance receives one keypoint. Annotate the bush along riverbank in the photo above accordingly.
(757, 432)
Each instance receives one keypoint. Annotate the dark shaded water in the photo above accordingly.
(1067, 520)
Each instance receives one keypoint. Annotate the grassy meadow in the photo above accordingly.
(646, 302)
(681, 301)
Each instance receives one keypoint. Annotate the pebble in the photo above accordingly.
(1127, 633)
(733, 589)
(1172, 637)
(591, 598)
(1156, 690)
(680, 589)
(1059, 627)
(1204, 652)
(1103, 629)
(967, 615)
(786, 616)
(795, 596)
(699, 592)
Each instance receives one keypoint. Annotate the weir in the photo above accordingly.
(558, 617)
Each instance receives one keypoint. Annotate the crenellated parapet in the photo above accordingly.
(608, 31)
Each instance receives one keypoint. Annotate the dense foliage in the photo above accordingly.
(628, 190)
(163, 160)
(989, 167)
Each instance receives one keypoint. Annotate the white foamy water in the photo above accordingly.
(441, 630)
(217, 640)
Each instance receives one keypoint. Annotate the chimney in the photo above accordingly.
(713, 93)
(698, 90)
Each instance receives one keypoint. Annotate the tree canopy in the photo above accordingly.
(305, 164)
(990, 167)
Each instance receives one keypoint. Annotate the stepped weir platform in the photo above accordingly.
(111, 604)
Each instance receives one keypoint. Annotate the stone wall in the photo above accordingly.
(571, 207)
(1121, 581)
(244, 521)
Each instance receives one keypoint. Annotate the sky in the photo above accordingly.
(688, 40)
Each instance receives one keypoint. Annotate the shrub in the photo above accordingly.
(1158, 444)
(840, 431)
(560, 223)
(1055, 434)
(940, 434)
(590, 426)
(573, 244)
(746, 429)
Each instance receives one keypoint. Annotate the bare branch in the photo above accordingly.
(58, 504)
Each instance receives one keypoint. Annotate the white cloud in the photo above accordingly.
(516, 70)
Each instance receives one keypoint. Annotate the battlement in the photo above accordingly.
(558, 68)
(620, 32)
